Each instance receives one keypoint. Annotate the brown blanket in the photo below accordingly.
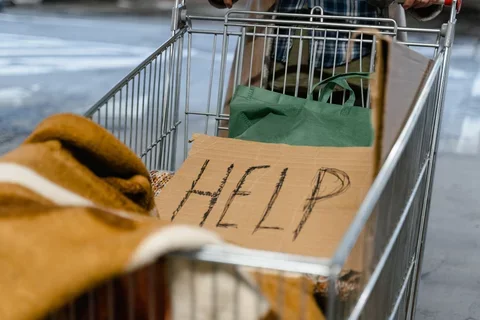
(75, 213)
(78, 240)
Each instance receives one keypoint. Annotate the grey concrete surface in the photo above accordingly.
(450, 282)
(450, 279)
(50, 65)
(64, 58)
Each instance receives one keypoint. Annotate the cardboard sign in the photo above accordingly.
(272, 197)
(298, 200)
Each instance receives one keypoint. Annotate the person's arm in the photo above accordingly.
(420, 9)
(423, 10)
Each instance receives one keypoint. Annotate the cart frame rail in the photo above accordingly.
(148, 109)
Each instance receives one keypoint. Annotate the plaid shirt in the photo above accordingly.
(331, 52)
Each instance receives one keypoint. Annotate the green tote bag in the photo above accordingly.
(261, 115)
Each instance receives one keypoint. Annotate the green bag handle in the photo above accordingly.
(340, 80)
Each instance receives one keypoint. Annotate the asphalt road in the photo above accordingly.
(53, 63)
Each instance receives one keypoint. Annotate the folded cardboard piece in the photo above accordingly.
(399, 78)
(292, 199)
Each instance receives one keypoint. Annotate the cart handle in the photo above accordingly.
(447, 3)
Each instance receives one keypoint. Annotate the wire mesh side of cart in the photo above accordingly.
(182, 87)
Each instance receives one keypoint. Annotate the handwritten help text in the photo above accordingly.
(311, 200)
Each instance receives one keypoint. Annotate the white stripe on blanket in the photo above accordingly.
(27, 178)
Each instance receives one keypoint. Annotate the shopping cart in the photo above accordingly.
(182, 87)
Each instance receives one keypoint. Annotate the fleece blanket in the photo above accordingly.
(77, 216)
(80, 240)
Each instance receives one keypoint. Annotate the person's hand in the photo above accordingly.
(228, 3)
(415, 3)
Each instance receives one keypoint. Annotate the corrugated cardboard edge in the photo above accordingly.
(378, 100)
(380, 95)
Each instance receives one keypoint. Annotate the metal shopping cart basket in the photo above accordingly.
(181, 89)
